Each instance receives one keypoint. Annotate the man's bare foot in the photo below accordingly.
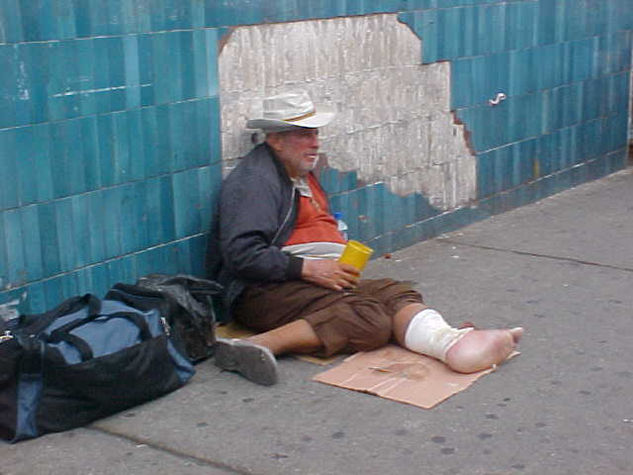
(480, 349)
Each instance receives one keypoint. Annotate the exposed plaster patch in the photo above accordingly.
(394, 123)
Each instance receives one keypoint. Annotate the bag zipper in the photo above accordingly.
(166, 326)
(6, 337)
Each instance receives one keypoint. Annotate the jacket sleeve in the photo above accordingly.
(249, 220)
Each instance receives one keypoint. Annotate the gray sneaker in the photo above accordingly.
(254, 362)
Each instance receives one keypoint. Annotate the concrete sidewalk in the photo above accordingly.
(562, 267)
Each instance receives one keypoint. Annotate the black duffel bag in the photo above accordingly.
(184, 300)
(81, 361)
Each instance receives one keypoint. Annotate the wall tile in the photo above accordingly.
(63, 102)
(132, 73)
(84, 285)
(112, 221)
(353, 213)
(68, 285)
(81, 228)
(138, 148)
(49, 243)
(8, 86)
(546, 21)
(470, 32)
(427, 25)
(67, 159)
(101, 81)
(89, 153)
(65, 236)
(121, 147)
(99, 279)
(198, 247)
(29, 222)
(160, 259)
(116, 74)
(219, 14)
(404, 237)
(8, 170)
(419, 4)
(130, 219)
(53, 293)
(180, 139)
(30, 22)
(10, 22)
(105, 150)
(149, 137)
(329, 179)
(83, 18)
(209, 180)
(163, 144)
(63, 16)
(200, 63)
(162, 72)
(121, 270)
(525, 159)
(381, 245)
(461, 96)
(184, 256)
(158, 207)
(423, 208)
(187, 67)
(209, 148)
(146, 69)
(5, 282)
(14, 237)
(363, 227)
(520, 66)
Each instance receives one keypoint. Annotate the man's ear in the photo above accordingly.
(273, 139)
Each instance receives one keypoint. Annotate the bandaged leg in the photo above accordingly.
(429, 334)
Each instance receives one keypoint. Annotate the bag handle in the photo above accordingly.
(28, 336)
(37, 323)
(63, 333)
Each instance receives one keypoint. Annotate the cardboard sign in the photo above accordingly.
(394, 373)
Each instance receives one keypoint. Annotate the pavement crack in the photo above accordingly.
(536, 254)
(171, 451)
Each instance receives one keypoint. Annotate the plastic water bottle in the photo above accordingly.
(342, 226)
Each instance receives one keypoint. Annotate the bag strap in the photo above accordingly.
(140, 298)
(34, 324)
(31, 326)
(63, 333)
(82, 347)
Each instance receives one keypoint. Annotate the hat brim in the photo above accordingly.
(321, 118)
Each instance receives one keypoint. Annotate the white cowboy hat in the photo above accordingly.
(291, 109)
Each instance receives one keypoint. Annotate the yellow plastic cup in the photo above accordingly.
(356, 254)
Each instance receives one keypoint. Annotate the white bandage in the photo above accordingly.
(430, 335)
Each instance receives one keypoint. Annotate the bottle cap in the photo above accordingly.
(337, 215)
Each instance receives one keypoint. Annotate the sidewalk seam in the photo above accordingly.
(535, 254)
(171, 451)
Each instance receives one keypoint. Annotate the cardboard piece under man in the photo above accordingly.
(274, 248)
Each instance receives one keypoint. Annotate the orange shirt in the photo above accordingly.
(314, 222)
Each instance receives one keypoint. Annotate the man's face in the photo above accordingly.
(297, 149)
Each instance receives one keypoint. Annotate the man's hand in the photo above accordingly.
(330, 274)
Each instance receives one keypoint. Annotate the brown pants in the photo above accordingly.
(360, 319)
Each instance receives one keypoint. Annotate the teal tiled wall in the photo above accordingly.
(565, 68)
(109, 146)
(109, 125)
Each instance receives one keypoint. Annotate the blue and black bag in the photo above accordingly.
(187, 303)
(84, 360)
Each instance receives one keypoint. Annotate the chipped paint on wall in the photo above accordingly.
(394, 124)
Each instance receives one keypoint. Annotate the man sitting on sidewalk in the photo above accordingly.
(275, 247)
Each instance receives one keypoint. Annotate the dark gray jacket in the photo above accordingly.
(256, 213)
